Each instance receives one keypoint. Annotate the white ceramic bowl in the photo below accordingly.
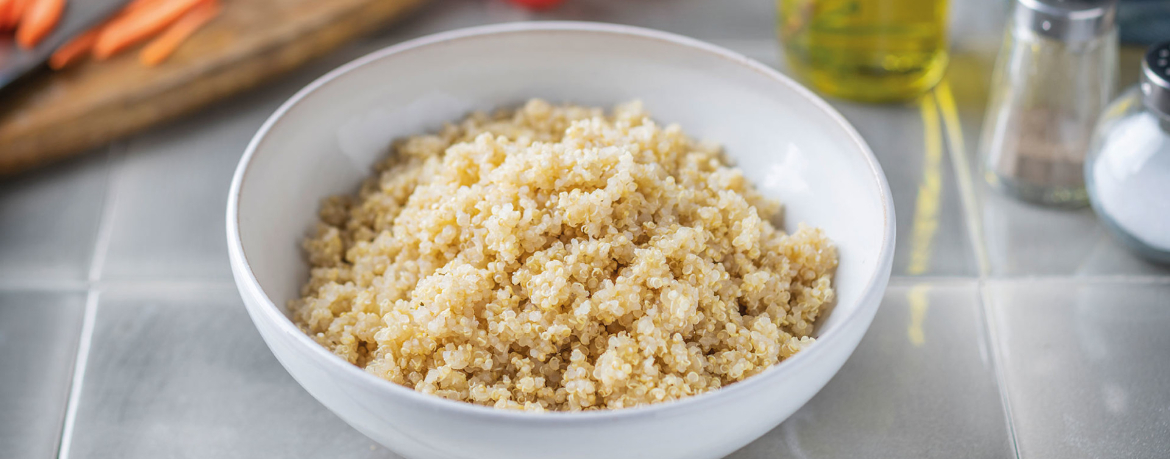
(324, 140)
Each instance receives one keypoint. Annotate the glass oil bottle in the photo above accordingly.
(866, 50)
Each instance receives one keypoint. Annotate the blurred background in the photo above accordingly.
(1013, 327)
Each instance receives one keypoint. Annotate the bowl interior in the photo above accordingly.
(325, 140)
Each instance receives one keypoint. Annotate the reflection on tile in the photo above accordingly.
(1085, 366)
(50, 217)
(38, 342)
(932, 236)
(184, 374)
(919, 385)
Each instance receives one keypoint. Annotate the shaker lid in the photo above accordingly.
(1155, 79)
(1067, 20)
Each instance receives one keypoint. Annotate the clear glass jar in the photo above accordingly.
(1128, 167)
(1055, 73)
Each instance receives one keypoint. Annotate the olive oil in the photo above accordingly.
(867, 50)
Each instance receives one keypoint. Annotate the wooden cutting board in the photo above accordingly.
(54, 115)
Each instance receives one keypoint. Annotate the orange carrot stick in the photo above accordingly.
(165, 44)
(140, 24)
(77, 48)
(134, 5)
(37, 21)
(74, 50)
(5, 6)
(13, 13)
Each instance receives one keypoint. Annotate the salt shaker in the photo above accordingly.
(1127, 170)
(1056, 71)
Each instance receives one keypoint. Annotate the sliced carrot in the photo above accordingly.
(5, 6)
(79, 46)
(134, 5)
(13, 13)
(74, 50)
(166, 43)
(39, 18)
(142, 23)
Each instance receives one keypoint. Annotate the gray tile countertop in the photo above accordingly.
(1008, 330)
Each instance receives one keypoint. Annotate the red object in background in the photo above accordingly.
(537, 4)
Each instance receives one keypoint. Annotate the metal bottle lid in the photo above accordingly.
(1155, 81)
(1067, 20)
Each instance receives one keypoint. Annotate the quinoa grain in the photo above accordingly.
(556, 258)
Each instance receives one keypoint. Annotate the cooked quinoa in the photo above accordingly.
(559, 258)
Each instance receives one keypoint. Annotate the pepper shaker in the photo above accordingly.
(1128, 167)
(1056, 71)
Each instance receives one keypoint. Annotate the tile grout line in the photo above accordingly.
(85, 341)
(992, 331)
(1080, 280)
(148, 287)
(37, 285)
(970, 202)
(910, 280)
(106, 227)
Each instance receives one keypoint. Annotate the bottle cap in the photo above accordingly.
(1155, 80)
(1067, 20)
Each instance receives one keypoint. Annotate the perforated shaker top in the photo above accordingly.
(1156, 78)
(1067, 20)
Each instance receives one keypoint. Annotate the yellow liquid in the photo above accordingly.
(867, 50)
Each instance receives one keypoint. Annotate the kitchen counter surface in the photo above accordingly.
(1008, 330)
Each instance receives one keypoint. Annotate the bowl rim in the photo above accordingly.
(247, 284)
